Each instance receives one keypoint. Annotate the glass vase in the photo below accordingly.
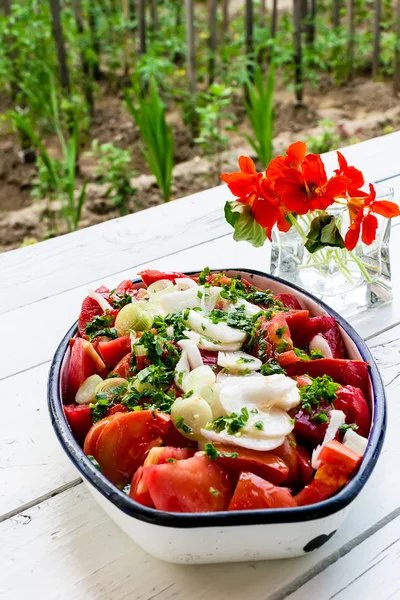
(349, 282)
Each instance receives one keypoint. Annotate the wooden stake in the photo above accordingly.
(298, 55)
(86, 70)
(154, 15)
(212, 42)
(249, 37)
(190, 41)
(377, 37)
(141, 11)
(126, 15)
(225, 18)
(396, 63)
(336, 13)
(274, 18)
(350, 39)
(263, 12)
(311, 23)
(60, 45)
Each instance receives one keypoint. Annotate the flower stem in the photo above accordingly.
(361, 266)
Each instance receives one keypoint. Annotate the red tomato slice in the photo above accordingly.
(335, 453)
(83, 363)
(122, 445)
(287, 358)
(114, 350)
(123, 367)
(287, 452)
(253, 493)
(307, 429)
(125, 287)
(79, 420)
(117, 408)
(193, 485)
(345, 372)
(278, 333)
(328, 480)
(139, 490)
(352, 402)
(304, 461)
(151, 275)
(90, 309)
(335, 342)
(93, 435)
(296, 320)
(289, 301)
(264, 464)
(176, 439)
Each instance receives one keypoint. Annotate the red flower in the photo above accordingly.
(295, 155)
(244, 183)
(309, 189)
(365, 222)
(355, 177)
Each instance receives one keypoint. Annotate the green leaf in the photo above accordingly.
(246, 227)
(323, 232)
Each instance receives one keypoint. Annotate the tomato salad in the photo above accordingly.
(201, 394)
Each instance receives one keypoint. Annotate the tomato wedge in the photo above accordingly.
(114, 350)
(264, 464)
(90, 309)
(352, 402)
(123, 444)
(123, 367)
(287, 358)
(93, 435)
(287, 452)
(151, 275)
(304, 461)
(79, 420)
(327, 480)
(254, 493)
(289, 301)
(83, 363)
(193, 485)
(139, 490)
(345, 372)
(335, 453)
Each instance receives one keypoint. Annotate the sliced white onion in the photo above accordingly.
(182, 368)
(219, 332)
(320, 343)
(238, 361)
(355, 442)
(206, 344)
(211, 393)
(193, 353)
(184, 283)
(102, 302)
(259, 392)
(224, 377)
(251, 309)
(337, 419)
(209, 297)
(178, 301)
(200, 376)
(263, 445)
(159, 286)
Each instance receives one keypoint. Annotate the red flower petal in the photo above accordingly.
(314, 171)
(354, 175)
(295, 155)
(352, 236)
(385, 208)
(275, 168)
(342, 163)
(240, 184)
(369, 227)
(265, 214)
(247, 165)
(293, 192)
(336, 186)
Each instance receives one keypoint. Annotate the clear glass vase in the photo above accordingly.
(349, 282)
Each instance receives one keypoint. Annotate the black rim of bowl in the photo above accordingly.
(226, 518)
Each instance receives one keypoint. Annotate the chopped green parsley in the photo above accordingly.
(232, 424)
(180, 424)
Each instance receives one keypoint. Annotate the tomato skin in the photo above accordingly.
(352, 402)
(123, 444)
(304, 461)
(90, 309)
(188, 485)
(345, 372)
(335, 453)
(89, 447)
(123, 367)
(253, 493)
(263, 464)
(327, 480)
(176, 439)
(275, 324)
(307, 429)
(287, 452)
(113, 351)
(84, 362)
(117, 408)
(289, 300)
(139, 490)
(151, 275)
(79, 420)
(125, 287)
(296, 320)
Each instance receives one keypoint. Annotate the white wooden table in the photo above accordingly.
(54, 541)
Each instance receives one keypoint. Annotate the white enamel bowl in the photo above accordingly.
(237, 535)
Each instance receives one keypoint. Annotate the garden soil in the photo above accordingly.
(360, 110)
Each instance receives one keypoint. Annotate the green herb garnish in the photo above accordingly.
(233, 424)
(320, 389)
(213, 453)
(180, 424)
(272, 367)
(316, 354)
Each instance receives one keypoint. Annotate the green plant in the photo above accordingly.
(213, 119)
(327, 140)
(56, 178)
(114, 168)
(148, 113)
(260, 112)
